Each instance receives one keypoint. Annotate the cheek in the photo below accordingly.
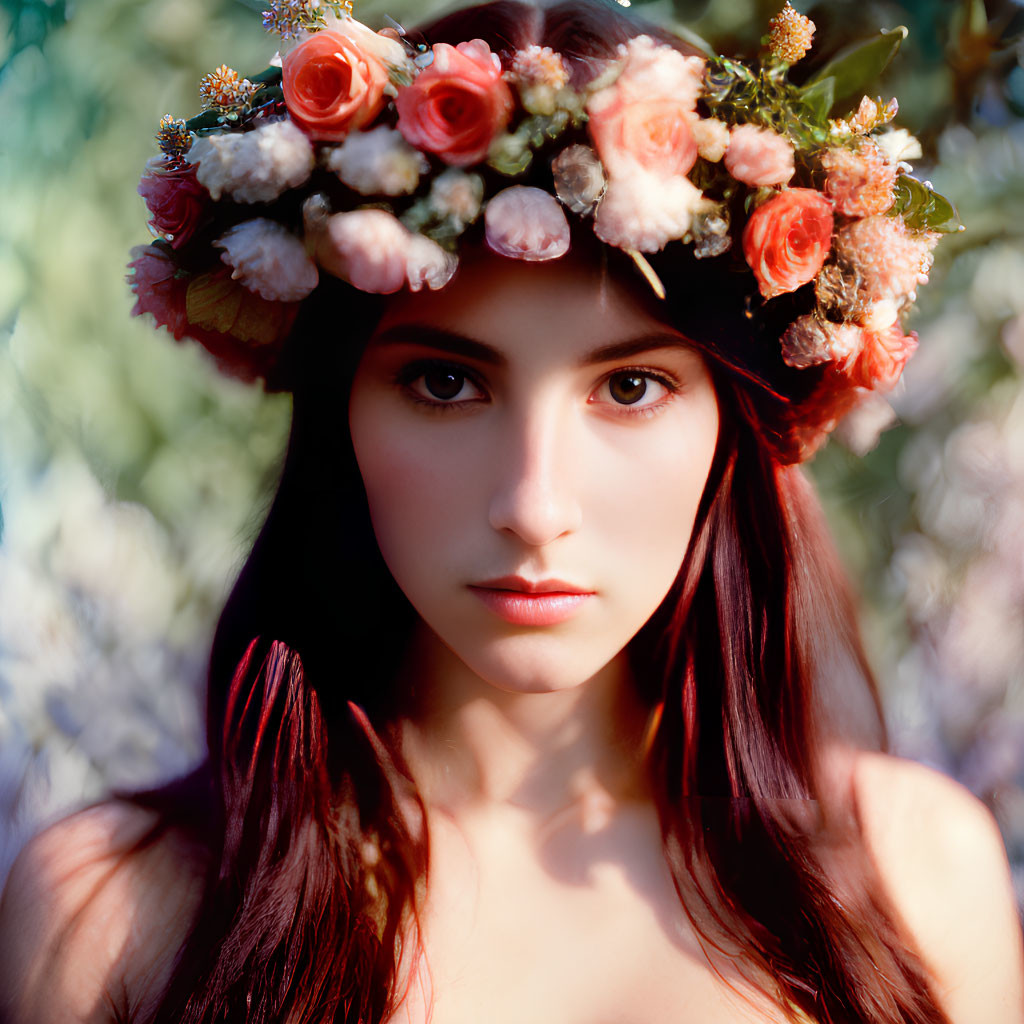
(413, 491)
(648, 507)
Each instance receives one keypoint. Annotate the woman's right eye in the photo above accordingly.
(440, 385)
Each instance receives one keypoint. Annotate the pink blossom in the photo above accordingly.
(891, 259)
(655, 69)
(366, 248)
(758, 156)
(860, 182)
(527, 224)
(375, 252)
(882, 358)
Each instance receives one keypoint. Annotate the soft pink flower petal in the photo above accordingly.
(375, 252)
(526, 223)
(427, 265)
(758, 156)
(367, 248)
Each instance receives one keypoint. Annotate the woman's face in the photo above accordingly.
(532, 425)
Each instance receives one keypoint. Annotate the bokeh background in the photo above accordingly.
(133, 478)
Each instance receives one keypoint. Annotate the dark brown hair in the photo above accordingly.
(314, 828)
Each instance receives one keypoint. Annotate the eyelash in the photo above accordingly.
(411, 373)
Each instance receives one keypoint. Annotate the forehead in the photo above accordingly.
(516, 305)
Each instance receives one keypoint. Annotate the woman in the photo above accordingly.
(540, 695)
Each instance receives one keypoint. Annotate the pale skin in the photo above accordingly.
(549, 899)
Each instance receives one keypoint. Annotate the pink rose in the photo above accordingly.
(882, 358)
(526, 224)
(787, 239)
(757, 156)
(458, 105)
(176, 200)
(332, 86)
(654, 133)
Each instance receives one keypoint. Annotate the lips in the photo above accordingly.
(525, 602)
(525, 586)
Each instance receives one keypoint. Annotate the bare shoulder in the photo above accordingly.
(93, 912)
(941, 859)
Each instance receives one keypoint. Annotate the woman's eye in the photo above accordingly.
(440, 385)
(636, 388)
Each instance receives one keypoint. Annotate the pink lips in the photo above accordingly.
(526, 603)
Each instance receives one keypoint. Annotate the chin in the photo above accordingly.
(513, 669)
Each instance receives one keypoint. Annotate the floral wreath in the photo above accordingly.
(364, 156)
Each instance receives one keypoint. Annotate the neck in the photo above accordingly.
(472, 746)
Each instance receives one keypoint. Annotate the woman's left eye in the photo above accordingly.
(639, 391)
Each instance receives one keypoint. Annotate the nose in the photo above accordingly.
(534, 494)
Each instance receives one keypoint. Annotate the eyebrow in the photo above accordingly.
(470, 348)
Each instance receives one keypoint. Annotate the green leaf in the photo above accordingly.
(204, 122)
(269, 77)
(858, 66)
(923, 208)
(820, 96)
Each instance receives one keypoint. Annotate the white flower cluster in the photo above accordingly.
(378, 162)
(269, 260)
(645, 210)
(458, 196)
(256, 166)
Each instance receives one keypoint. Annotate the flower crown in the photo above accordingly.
(364, 156)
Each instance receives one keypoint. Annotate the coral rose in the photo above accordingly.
(458, 105)
(882, 358)
(787, 239)
(176, 200)
(758, 156)
(654, 133)
(332, 86)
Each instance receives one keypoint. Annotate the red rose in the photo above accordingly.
(243, 332)
(882, 358)
(177, 202)
(787, 239)
(456, 106)
(332, 86)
